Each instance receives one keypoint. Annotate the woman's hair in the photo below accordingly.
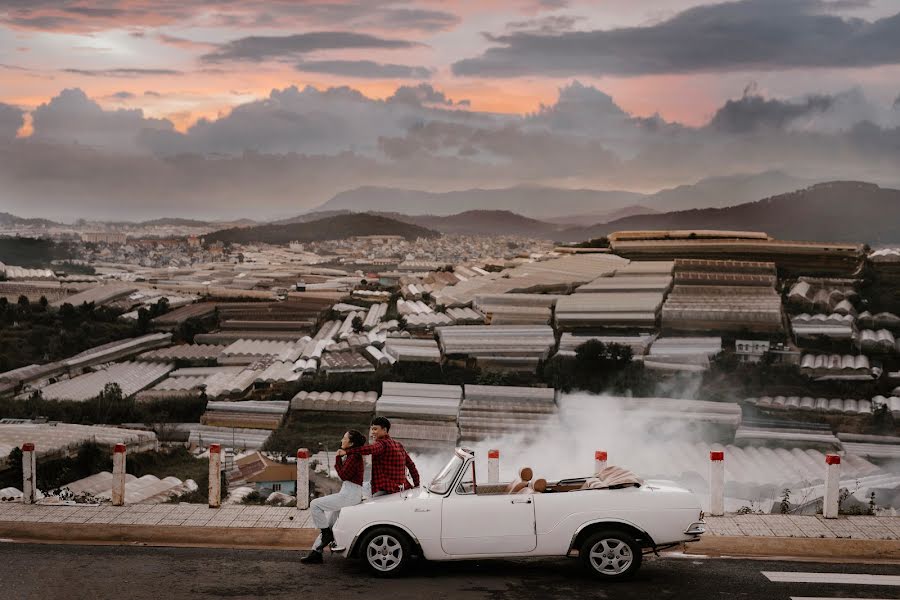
(356, 438)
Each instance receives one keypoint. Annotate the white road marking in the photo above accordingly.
(834, 598)
(845, 578)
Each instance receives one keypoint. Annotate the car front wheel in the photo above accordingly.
(611, 554)
(386, 551)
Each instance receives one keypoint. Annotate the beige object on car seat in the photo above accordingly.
(525, 475)
(538, 486)
(612, 477)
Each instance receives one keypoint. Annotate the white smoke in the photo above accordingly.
(655, 443)
(634, 439)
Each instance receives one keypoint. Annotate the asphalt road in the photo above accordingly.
(72, 572)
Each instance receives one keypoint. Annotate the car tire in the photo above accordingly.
(386, 551)
(611, 554)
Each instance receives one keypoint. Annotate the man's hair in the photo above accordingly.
(356, 438)
(382, 422)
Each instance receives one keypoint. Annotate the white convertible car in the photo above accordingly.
(611, 520)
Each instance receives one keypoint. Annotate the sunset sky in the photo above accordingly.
(372, 86)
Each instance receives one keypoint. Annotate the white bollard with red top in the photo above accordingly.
(302, 479)
(493, 467)
(831, 505)
(118, 478)
(29, 474)
(215, 475)
(600, 457)
(716, 483)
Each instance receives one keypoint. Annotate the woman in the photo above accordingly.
(325, 510)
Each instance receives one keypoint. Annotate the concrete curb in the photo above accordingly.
(302, 538)
(721, 545)
(156, 535)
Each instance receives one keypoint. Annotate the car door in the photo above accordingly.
(495, 524)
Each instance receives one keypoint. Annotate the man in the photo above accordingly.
(389, 460)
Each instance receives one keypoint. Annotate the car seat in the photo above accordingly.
(525, 475)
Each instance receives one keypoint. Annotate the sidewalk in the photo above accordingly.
(858, 537)
(277, 527)
(160, 524)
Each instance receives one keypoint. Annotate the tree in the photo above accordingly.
(596, 367)
(594, 354)
(112, 392)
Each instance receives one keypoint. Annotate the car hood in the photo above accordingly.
(403, 496)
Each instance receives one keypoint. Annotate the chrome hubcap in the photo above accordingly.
(384, 552)
(611, 556)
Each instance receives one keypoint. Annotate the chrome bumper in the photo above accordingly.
(696, 528)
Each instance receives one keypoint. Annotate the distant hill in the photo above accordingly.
(839, 211)
(311, 216)
(485, 222)
(330, 228)
(603, 217)
(530, 201)
(8, 220)
(174, 222)
(196, 223)
(471, 222)
(727, 190)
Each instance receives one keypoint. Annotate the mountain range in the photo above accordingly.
(582, 205)
(838, 211)
(834, 211)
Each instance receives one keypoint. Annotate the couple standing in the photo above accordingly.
(389, 465)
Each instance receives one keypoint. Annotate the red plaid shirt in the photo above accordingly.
(350, 468)
(389, 464)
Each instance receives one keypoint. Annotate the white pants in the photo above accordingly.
(325, 510)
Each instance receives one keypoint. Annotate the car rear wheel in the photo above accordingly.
(386, 551)
(611, 554)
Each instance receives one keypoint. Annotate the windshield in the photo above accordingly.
(441, 484)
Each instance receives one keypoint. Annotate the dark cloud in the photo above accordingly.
(88, 11)
(122, 72)
(519, 150)
(550, 24)
(421, 19)
(152, 93)
(421, 95)
(72, 117)
(108, 163)
(179, 42)
(42, 22)
(752, 113)
(78, 15)
(87, 15)
(11, 120)
(849, 4)
(745, 35)
(123, 95)
(259, 48)
(309, 121)
(364, 69)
